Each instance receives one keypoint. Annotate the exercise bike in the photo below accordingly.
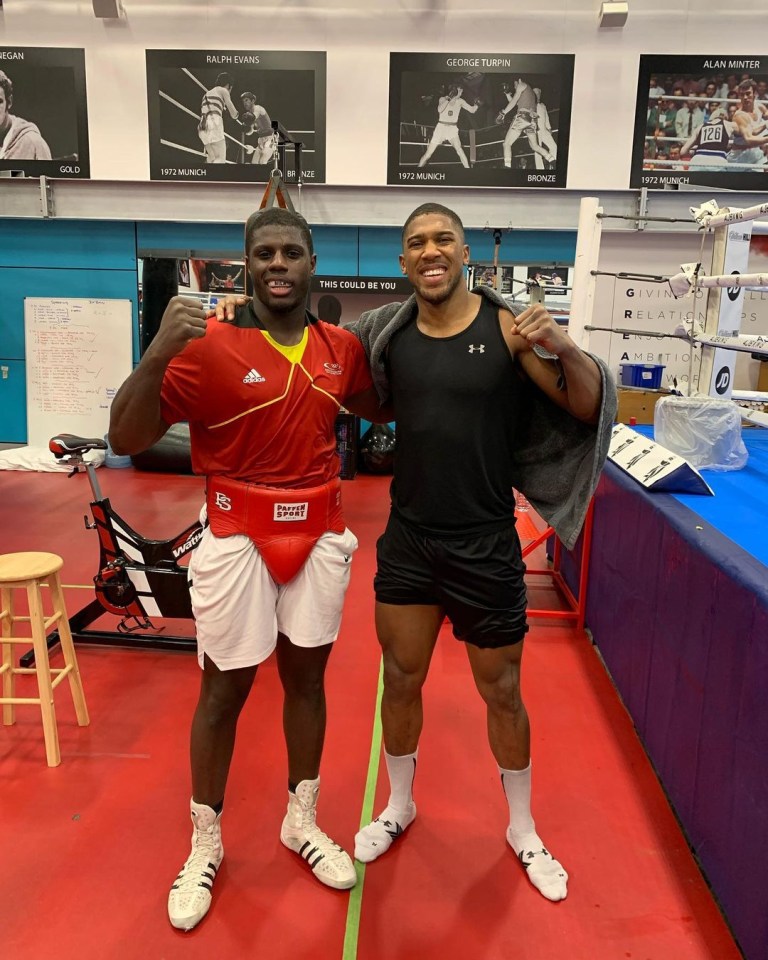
(137, 578)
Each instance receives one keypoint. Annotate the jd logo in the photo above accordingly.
(733, 292)
(722, 380)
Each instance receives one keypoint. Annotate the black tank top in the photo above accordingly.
(457, 405)
(712, 139)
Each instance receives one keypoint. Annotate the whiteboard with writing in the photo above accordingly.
(78, 352)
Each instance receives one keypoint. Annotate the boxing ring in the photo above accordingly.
(719, 337)
(237, 148)
(484, 146)
(678, 608)
(681, 164)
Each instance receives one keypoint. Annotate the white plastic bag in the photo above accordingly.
(704, 430)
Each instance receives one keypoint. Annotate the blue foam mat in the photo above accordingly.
(739, 508)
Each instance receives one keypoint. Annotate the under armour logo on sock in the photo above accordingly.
(393, 833)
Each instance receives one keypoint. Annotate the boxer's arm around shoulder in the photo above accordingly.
(366, 405)
(135, 419)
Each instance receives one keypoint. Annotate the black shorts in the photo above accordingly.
(478, 580)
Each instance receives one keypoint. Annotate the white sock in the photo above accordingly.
(402, 772)
(544, 872)
(376, 838)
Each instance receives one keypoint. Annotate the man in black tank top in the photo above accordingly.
(461, 378)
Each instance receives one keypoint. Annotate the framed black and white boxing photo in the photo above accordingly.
(701, 120)
(211, 114)
(500, 120)
(43, 113)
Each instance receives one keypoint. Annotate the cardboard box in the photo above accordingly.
(638, 404)
(762, 377)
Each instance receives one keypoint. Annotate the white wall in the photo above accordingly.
(358, 36)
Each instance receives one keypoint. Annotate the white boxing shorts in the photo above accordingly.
(239, 609)
(446, 133)
(524, 121)
(211, 128)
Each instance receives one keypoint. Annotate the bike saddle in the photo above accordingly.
(68, 445)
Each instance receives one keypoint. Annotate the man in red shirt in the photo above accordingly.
(261, 394)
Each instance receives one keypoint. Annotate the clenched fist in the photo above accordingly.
(538, 327)
(183, 320)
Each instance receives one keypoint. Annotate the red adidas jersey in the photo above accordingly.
(255, 416)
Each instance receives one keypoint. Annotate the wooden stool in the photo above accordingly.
(29, 571)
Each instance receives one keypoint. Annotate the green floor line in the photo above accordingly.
(356, 896)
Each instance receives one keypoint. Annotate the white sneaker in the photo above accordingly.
(381, 833)
(299, 832)
(190, 896)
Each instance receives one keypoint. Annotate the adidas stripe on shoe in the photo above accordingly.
(190, 896)
(329, 862)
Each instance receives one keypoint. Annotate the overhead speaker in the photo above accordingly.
(108, 9)
(613, 13)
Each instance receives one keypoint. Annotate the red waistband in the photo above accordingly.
(283, 523)
(262, 512)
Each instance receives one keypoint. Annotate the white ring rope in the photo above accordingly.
(684, 164)
(740, 343)
(685, 283)
(194, 79)
(709, 215)
(179, 146)
(682, 283)
(181, 106)
(750, 397)
(752, 416)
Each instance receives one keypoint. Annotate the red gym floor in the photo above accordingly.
(90, 848)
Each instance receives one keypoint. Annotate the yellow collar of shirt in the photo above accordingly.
(294, 353)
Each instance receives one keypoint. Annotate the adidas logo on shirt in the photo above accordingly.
(253, 376)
